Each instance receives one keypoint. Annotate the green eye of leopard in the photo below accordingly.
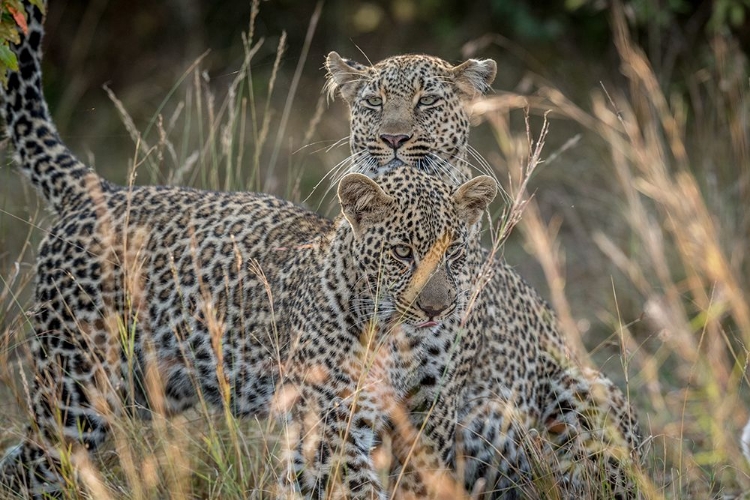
(454, 251)
(402, 252)
(374, 101)
(428, 100)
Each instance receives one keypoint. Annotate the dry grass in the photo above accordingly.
(679, 164)
(678, 174)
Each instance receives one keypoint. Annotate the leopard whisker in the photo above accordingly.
(479, 158)
(483, 164)
(332, 171)
(337, 173)
(338, 143)
(459, 161)
(443, 166)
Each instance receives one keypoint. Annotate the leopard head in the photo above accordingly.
(411, 232)
(411, 108)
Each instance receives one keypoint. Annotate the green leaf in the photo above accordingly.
(9, 32)
(7, 58)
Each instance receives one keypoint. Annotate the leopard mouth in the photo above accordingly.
(419, 320)
(394, 163)
(411, 158)
(384, 158)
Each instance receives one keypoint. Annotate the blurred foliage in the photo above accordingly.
(724, 15)
(673, 32)
(547, 37)
(729, 14)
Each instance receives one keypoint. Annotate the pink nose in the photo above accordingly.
(395, 141)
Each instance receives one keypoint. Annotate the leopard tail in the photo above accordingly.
(57, 174)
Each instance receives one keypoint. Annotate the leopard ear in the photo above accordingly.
(362, 201)
(473, 197)
(474, 77)
(344, 75)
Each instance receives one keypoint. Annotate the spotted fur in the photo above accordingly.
(528, 405)
(399, 109)
(137, 280)
(136, 284)
(381, 328)
(153, 298)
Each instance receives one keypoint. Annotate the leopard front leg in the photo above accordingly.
(586, 415)
(330, 438)
(424, 452)
(495, 447)
(424, 426)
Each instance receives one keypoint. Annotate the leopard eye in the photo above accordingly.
(402, 252)
(374, 101)
(455, 251)
(428, 100)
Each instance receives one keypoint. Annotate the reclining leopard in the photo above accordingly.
(185, 273)
(413, 108)
(384, 312)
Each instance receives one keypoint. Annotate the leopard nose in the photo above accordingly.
(433, 310)
(395, 141)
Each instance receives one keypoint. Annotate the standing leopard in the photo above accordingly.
(413, 108)
(134, 278)
(208, 294)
